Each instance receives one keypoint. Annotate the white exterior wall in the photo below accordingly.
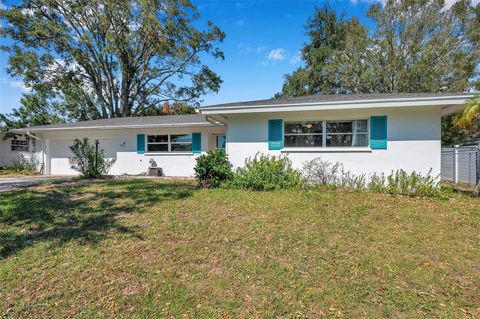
(7, 156)
(121, 145)
(413, 134)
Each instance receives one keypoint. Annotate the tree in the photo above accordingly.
(469, 119)
(335, 58)
(414, 46)
(111, 58)
(37, 109)
(452, 134)
(422, 47)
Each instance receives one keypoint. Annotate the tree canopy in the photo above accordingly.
(36, 109)
(412, 46)
(111, 58)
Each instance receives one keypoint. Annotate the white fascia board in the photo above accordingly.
(341, 105)
(111, 127)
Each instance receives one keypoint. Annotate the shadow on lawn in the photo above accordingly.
(79, 213)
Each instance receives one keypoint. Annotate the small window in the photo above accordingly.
(19, 145)
(169, 143)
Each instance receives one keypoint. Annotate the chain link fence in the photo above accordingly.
(461, 164)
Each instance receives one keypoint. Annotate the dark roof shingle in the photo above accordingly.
(166, 120)
(333, 98)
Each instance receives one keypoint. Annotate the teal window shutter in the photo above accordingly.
(197, 142)
(140, 143)
(275, 134)
(378, 132)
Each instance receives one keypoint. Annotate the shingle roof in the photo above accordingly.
(141, 121)
(333, 98)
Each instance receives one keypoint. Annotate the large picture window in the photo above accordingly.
(19, 145)
(169, 143)
(352, 133)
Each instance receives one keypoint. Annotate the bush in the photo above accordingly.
(87, 161)
(322, 173)
(213, 168)
(414, 184)
(21, 166)
(317, 172)
(265, 172)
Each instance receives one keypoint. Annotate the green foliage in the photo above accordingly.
(121, 59)
(317, 172)
(413, 184)
(87, 161)
(183, 109)
(265, 173)
(412, 46)
(213, 168)
(452, 134)
(20, 166)
(469, 118)
(37, 109)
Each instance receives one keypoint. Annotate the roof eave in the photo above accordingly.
(109, 127)
(339, 105)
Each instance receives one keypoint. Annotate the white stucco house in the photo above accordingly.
(369, 133)
(16, 149)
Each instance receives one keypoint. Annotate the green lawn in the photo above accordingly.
(149, 248)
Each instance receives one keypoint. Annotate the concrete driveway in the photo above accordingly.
(8, 184)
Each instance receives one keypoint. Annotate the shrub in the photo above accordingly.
(89, 162)
(21, 166)
(322, 173)
(317, 172)
(264, 172)
(213, 168)
(413, 184)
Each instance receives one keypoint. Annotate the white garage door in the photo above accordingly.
(60, 153)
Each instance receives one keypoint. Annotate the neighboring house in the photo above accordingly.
(15, 149)
(370, 133)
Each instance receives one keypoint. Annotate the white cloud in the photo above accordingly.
(14, 84)
(355, 2)
(276, 55)
(243, 48)
(297, 58)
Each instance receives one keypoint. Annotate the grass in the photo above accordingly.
(149, 248)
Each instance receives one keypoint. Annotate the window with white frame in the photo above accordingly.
(169, 143)
(19, 145)
(351, 133)
(303, 134)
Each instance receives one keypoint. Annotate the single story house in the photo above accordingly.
(368, 133)
(15, 149)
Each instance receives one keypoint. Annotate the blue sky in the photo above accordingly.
(262, 43)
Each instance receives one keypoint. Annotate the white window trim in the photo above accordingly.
(26, 145)
(324, 147)
(169, 144)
